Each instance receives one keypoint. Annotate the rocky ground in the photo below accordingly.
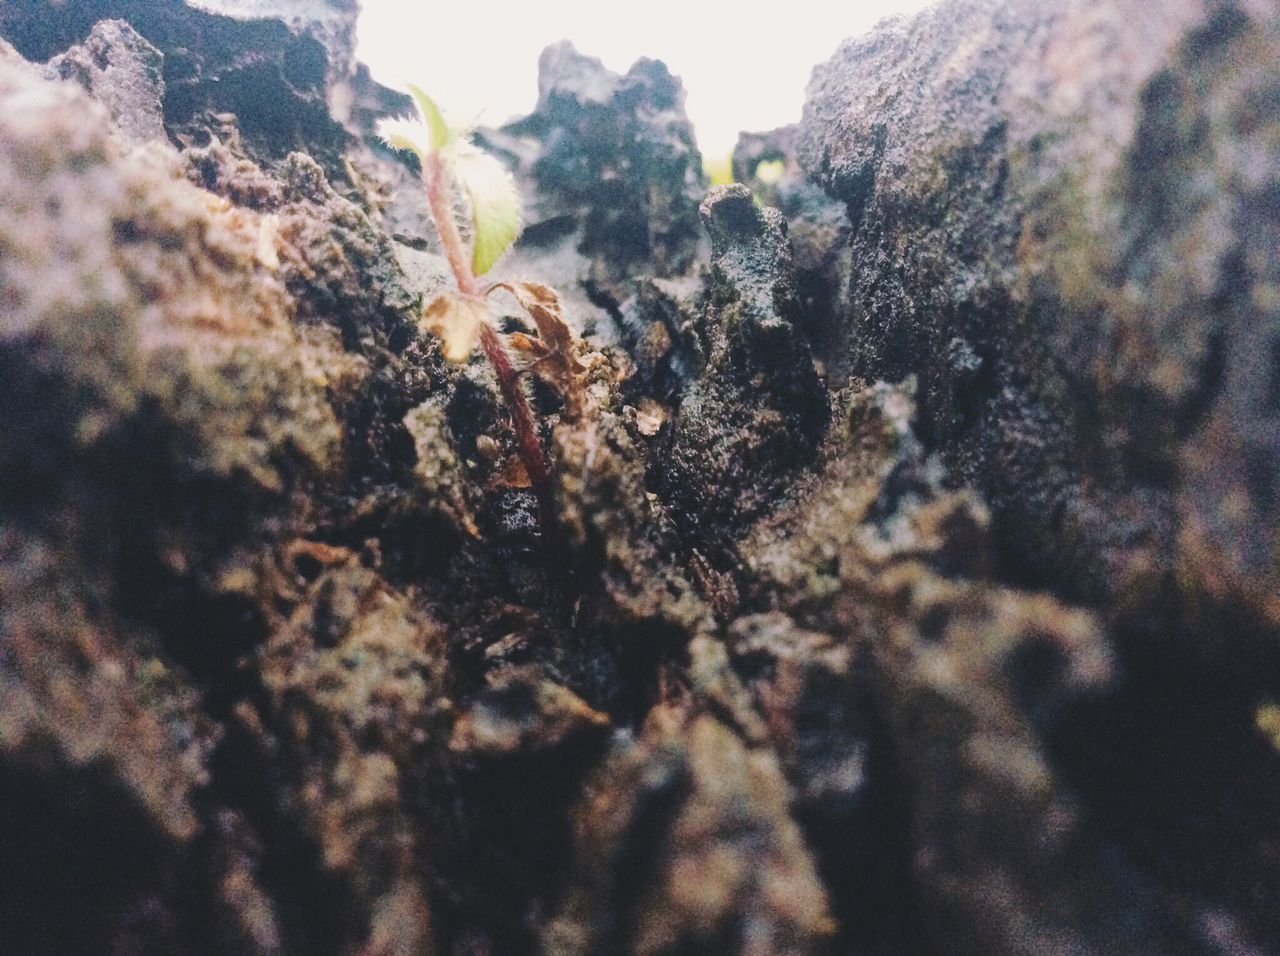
(914, 587)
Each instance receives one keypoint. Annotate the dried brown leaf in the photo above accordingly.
(555, 350)
(456, 319)
(524, 343)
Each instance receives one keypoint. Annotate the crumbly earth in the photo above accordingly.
(913, 586)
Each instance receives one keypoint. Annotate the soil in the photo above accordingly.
(913, 586)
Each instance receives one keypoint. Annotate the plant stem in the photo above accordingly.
(528, 445)
(527, 442)
(440, 199)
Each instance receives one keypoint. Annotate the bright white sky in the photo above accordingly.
(741, 72)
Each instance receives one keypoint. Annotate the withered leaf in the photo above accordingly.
(524, 343)
(456, 319)
(555, 351)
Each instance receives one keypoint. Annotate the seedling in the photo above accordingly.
(454, 169)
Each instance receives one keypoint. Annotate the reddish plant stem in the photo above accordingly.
(440, 199)
(530, 448)
(528, 445)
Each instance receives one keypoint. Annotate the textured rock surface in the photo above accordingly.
(1066, 228)
(285, 68)
(617, 157)
(175, 430)
(123, 72)
(818, 229)
(812, 662)
(756, 408)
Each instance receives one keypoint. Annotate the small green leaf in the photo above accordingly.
(404, 133)
(495, 204)
(432, 118)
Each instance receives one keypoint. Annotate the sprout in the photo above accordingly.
(461, 318)
(449, 158)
